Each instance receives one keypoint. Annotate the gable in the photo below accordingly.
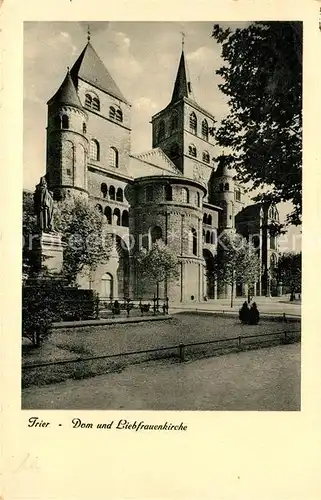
(153, 162)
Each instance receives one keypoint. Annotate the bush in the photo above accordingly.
(48, 300)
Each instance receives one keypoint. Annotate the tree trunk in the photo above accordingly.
(232, 293)
(157, 296)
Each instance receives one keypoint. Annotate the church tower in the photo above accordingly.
(88, 133)
(182, 130)
(67, 143)
(222, 193)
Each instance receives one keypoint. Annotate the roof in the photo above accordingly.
(182, 87)
(89, 67)
(223, 169)
(157, 158)
(66, 94)
(249, 212)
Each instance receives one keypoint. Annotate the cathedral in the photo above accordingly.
(174, 192)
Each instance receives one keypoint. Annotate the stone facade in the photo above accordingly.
(172, 192)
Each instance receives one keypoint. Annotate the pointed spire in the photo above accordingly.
(182, 87)
(90, 68)
(66, 94)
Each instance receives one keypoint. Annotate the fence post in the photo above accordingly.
(285, 337)
(240, 341)
(181, 353)
(284, 318)
(97, 307)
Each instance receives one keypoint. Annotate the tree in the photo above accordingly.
(236, 262)
(157, 265)
(289, 272)
(85, 233)
(262, 79)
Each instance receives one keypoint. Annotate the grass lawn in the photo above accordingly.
(113, 339)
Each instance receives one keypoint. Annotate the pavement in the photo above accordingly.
(263, 380)
(276, 306)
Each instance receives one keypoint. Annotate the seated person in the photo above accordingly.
(254, 315)
(116, 307)
(244, 313)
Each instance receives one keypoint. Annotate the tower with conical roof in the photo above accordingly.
(88, 133)
(182, 129)
(67, 143)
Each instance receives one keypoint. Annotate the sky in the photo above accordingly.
(142, 57)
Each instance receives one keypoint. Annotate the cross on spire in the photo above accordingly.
(183, 39)
(88, 33)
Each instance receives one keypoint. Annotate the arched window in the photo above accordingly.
(88, 100)
(221, 187)
(193, 241)
(203, 235)
(168, 192)
(185, 195)
(273, 261)
(198, 199)
(174, 121)
(212, 238)
(205, 129)
(174, 151)
(145, 241)
(255, 240)
(84, 128)
(155, 234)
(106, 290)
(209, 220)
(112, 112)
(119, 195)
(149, 193)
(96, 104)
(65, 121)
(99, 208)
(104, 189)
(226, 186)
(113, 157)
(273, 242)
(192, 150)
(193, 123)
(117, 216)
(57, 121)
(208, 237)
(205, 219)
(237, 194)
(111, 192)
(206, 157)
(161, 131)
(94, 150)
(108, 215)
(125, 219)
(119, 115)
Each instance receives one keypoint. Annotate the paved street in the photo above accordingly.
(266, 305)
(266, 379)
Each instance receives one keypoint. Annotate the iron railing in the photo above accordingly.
(238, 341)
(116, 306)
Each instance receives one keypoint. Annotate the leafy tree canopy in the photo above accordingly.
(84, 231)
(262, 79)
(289, 271)
(236, 260)
(158, 264)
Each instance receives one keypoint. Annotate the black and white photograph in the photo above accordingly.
(162, 215)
